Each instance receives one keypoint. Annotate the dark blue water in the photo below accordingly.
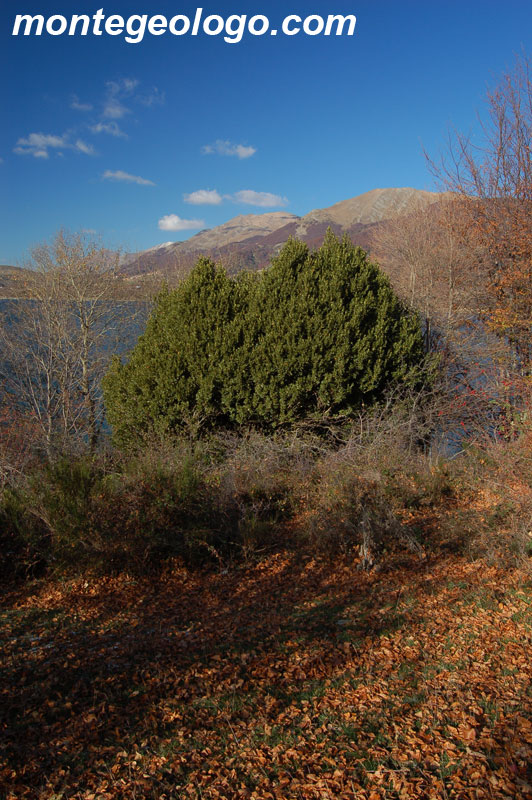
(23, 344)
(126, 321)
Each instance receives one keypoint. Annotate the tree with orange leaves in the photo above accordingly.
(493, 181)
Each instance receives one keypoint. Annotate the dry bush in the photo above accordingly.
(371, 486)
(343, 508)
(497, 522)
(17, 434)
(353, 498)
(258, 476)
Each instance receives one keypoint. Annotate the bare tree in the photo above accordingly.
(493, 180)
(427, 261)
(436, 267)
(57, 343)
(466, 262)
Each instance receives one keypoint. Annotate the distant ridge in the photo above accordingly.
(250, 240)
(373, 206)
(11, 280)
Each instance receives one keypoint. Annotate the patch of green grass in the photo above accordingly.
(524, 615)
(480, 598)
(415, 699)
(346, 635)
(311, 690)
(409, 601)
(349, 731)
(452, 584)
(274, 735)
(374, 724)
(24, 622)
(447, 767)
(490, 709)
(450, 666)
(406, 669)
(393, 623)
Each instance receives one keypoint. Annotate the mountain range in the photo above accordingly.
(250, 240)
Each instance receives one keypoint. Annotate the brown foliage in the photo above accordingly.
(293, 678)
(428, 262)
(494, 183)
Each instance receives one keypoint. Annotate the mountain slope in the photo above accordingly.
(11, 280)
(238, 229)
(250, 240)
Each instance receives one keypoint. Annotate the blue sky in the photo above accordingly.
(117, 138)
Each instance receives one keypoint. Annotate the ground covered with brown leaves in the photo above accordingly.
(290, 678)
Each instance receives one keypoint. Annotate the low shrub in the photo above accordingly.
(159, 508)
(364, 488)
(258, 478)
(204, 503)
(63, 494)
(490, 486)
(344, 507)
(24, 539)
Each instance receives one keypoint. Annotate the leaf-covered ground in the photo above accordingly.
(291, 678)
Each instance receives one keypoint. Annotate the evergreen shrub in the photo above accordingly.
(316, 335)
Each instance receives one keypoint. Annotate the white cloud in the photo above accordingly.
(116, 91)
(119, 175)
(83, 147)
(114, 108)
(153, 98)
(118, 99)
(211, 197)
(203, 197)
(77, 105)
(111, 128)
(226, 148)
(171, 222)
(263, 199)
(129, 84)
(38, 145)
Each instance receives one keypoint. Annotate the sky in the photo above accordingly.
(144, 143)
